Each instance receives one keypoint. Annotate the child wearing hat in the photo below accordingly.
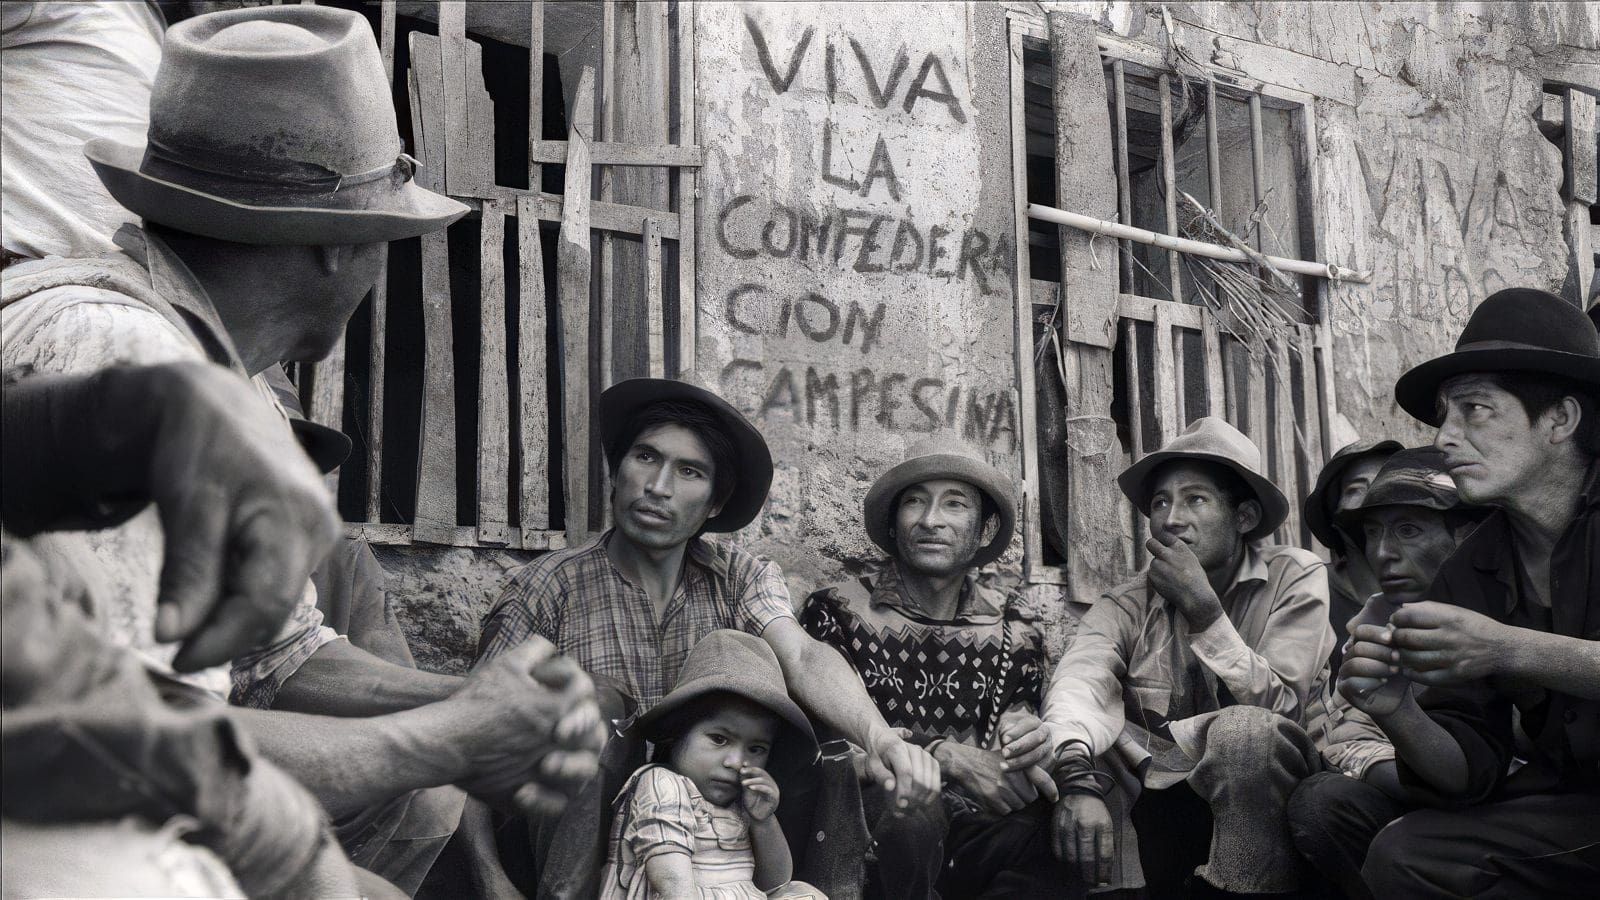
(700, 819)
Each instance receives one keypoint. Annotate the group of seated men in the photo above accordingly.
(168, 544)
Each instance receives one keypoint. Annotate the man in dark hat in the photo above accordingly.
(264, 225)
(1511, 623)
(950, 653)
(629, 604)
(1409, 522)
(1340, 486)
(1180, 702)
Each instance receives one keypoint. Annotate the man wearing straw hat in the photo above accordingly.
(270, 181)
(949, 653)
(1510, 625)
(1179, 704)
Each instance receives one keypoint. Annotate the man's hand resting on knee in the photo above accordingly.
(1081, 833)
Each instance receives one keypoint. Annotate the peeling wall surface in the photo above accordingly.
(855, 249)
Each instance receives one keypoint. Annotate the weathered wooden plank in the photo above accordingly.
(1168, 422)
(1133, 371)
(1181, 315)
(1213, 153)
(425, 82)
(604, 130)
(385, 535)
(1328, 407)
(480, 121)
(655, 325)
(386, 32)
(1086, 180)
(1258, 164)
(453, 71)
(1230, 383)
(1256, 403)
(1124, 180)
(1284, 441)
(573, 271)
(1211, 352)
(1169, 174)
(619, 217)
(1022, 321)
(1580, 189)
(1309, 449)
(376, 369)
(688, 192)
(533, 392)
(626, 153)
(536, 100)
(494, 404)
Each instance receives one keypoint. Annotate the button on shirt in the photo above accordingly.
(577, 600)
(1134, 659)
(1486, 576)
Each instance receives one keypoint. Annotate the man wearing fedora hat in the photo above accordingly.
(271, 178)
(629, 604)
(949, 653)
(1340, 486)
(1510, 625)
(1180, 701)
(1410, 520)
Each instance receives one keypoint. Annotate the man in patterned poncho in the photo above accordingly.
(949, 655)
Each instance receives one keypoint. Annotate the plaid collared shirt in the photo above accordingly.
(577, 600)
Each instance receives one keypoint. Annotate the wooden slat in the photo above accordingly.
(533, 392)
(1134, 372)
(623, 153)
(461, 536)
(1170, 188)
(1284, 443)
(1124, 180)
(435, 517)
(605, 130)
(1166, 382)
(453, 71)
(1230, 382)
(1255, 394)
(688, 192)
(386, 33)
(573, 269)
(1182, 315)
(1309, 450)
(1258, 164)
(1328, 407)
(376, 368)
(1022, 321)
(622, 218)
(536, 104)
(655, 324)
(1213, 153)
(494, 405)
(1211, 352)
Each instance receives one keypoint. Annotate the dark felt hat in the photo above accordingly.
(733, 662)
(623, 400)
(1211, 439)
(1514, 330)
(1414, 477)
(327, 447)
(941, 457)
(273, 125)
(1321, 506)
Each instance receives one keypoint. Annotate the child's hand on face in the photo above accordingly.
(760, 795)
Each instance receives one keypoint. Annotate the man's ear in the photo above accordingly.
(1564, 419)
(1248, 516)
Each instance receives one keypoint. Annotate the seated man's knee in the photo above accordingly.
(1405, 855)
(913, 827)
(1312, 803)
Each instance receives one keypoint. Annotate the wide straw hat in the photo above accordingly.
(273, 125)
(625, 399)
(1514, 330)
(1321, 507)
(1414, 477)
(1211, 439)
(733, 662)
(935, 458)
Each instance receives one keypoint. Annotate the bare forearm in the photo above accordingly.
(1425, 747)
(351, 764)
(831, 691)
(1386, 777)
(343, 680)
(774, 868)
(1556, 662)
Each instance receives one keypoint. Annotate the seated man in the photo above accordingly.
(629, 604)
(1410, 521)
(1511, 623)
(1188, 684)
(1343, 482)
(949, 654)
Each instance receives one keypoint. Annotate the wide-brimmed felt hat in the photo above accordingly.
(733, 662)
(327, 447)
(273, 125)
(625, 399)
(1414, 477)
(1514, 330)
(1320, 508)
(935, 458)
(1211, 439)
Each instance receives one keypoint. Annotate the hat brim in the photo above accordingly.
(1315, 509)
(327, 447)
(792, 756)
(409, 211)
(1274, 505)
(623, 400)
(879, 505)
(1417, 391)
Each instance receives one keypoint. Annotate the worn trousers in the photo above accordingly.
(946, 851)
(1333, 819)
(1543, 845)
(400, 840)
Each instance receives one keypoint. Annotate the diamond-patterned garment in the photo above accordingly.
(940, 679)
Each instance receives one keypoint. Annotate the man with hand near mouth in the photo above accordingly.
(1409, 523)
(949, 653)
(1510, 624)
(1176, 713)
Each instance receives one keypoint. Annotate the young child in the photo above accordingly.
(699, 821)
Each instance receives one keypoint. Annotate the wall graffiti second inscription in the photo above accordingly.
(853, 295)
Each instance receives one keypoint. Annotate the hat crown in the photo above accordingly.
(291, 92)
(1533, 318)
(1414, 477)
(1213, 436)
(943, 445)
